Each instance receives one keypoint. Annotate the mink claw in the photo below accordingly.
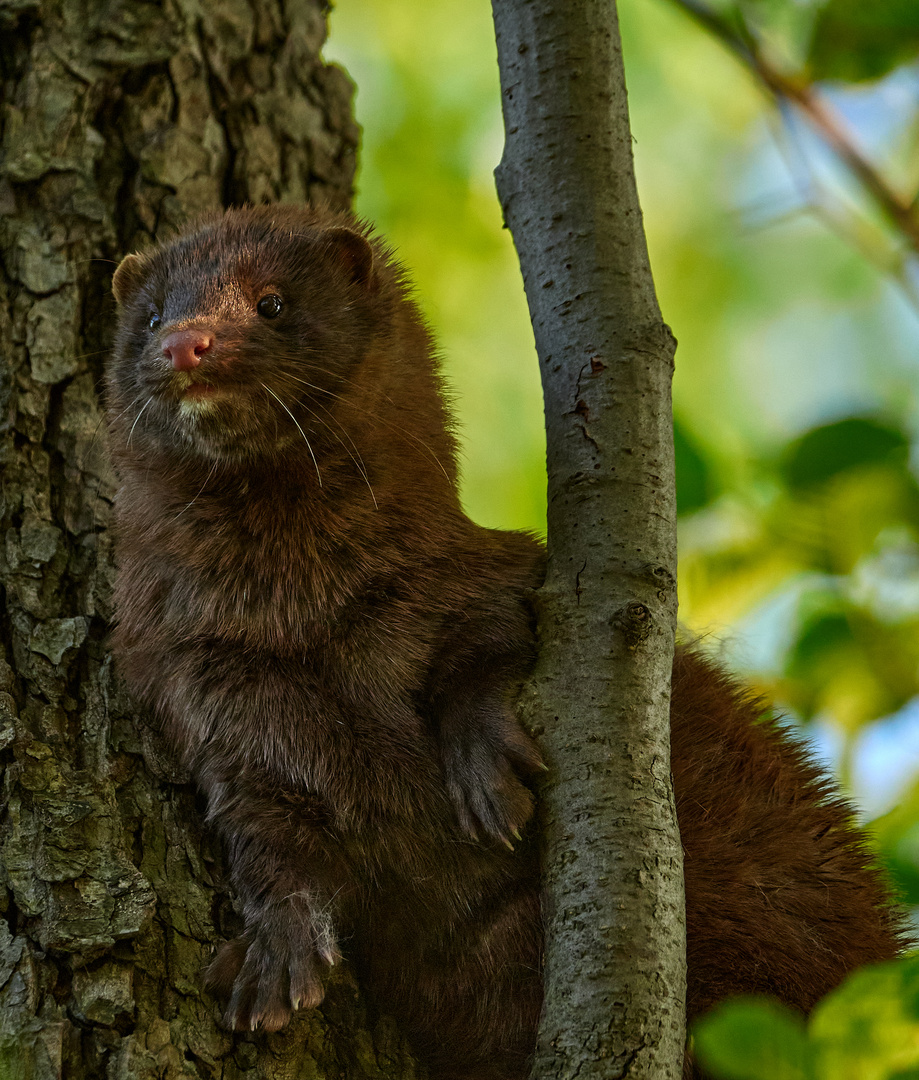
(232, 1021)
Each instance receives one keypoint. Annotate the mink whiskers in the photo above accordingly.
(300, 429)
(377, 419)
(207, 480)
(137, 418)
(356, 455)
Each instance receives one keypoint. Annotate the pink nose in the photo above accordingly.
(185, 348)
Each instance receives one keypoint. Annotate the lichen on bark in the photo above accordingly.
(120, 121)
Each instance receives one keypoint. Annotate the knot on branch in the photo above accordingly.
(664, 582)
(636, 622)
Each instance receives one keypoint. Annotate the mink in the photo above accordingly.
(332, 648)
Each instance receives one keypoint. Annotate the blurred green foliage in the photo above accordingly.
(867, 1029)
(795, 395)
(855, 40)
(897, 836)
(428, 100)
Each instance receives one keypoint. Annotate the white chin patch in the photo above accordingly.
(196, 406)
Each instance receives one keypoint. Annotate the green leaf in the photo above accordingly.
(694, 483)
(846, 662)
(868, 1029)
(895, 836)
(753, 1039)
(823, 635)
(863, 39)
(825, 452)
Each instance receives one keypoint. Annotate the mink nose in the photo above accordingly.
(184, 348)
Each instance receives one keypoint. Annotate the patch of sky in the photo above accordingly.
(759, 641)
(878, 112)
(805, 367)
(791, 167)
(887, 579)
(884, 758)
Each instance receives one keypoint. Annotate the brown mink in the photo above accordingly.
(332, 649)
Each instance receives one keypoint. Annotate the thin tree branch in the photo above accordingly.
(612, 860)
(823, 118)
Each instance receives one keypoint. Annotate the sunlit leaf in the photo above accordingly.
(782, 26)
(753, 1039)
(846, 663)
(868, 1029)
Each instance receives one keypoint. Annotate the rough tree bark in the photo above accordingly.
(615, 959)
(120, 119)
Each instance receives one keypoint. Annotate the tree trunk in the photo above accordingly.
(615, 950)
(121, 119)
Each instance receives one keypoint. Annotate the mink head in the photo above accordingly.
(238, 338)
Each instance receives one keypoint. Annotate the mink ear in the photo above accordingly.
(128, 276)
(355, 254)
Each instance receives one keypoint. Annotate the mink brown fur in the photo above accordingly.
(332, 649)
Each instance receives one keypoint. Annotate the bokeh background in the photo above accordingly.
(795, 302)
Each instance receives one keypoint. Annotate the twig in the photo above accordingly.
(788, 88)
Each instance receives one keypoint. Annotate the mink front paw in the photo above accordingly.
(274, 968)
(482, 770)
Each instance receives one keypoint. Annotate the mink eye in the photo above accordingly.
(154, 320)
(269, 307)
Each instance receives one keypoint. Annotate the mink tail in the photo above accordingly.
(783, 896)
